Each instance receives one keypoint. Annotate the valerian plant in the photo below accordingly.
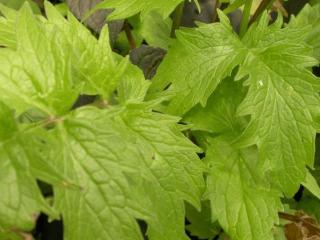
(223, 135)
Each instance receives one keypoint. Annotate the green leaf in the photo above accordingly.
(156, 30)
(54, 61)
(282, 101)
(35, 75)
(93, 63)
(192, 62)
(309, 15)
(244, 205)
(132, 87)
(125, 8)
(130, 164)
(282, 97)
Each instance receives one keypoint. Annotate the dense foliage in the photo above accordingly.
(130, 128)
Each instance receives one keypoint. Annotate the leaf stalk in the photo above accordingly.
(245, 17)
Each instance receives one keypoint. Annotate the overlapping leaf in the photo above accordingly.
(309, 15)
(245, 206)
(196, 63)
(282, 99)
(69, 56)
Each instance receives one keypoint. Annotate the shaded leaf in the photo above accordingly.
(201, 222)
(148, 59)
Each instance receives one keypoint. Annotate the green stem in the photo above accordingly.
(176, 21)
(263, 6)
(245, 17)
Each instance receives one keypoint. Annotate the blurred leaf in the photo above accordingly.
(17, 4)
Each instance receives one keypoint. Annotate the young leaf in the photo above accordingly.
(35, 74)
(94, 65)
(244, 205)
(55, 60)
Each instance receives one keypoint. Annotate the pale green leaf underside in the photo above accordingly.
(245, 207)
(131, 163)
